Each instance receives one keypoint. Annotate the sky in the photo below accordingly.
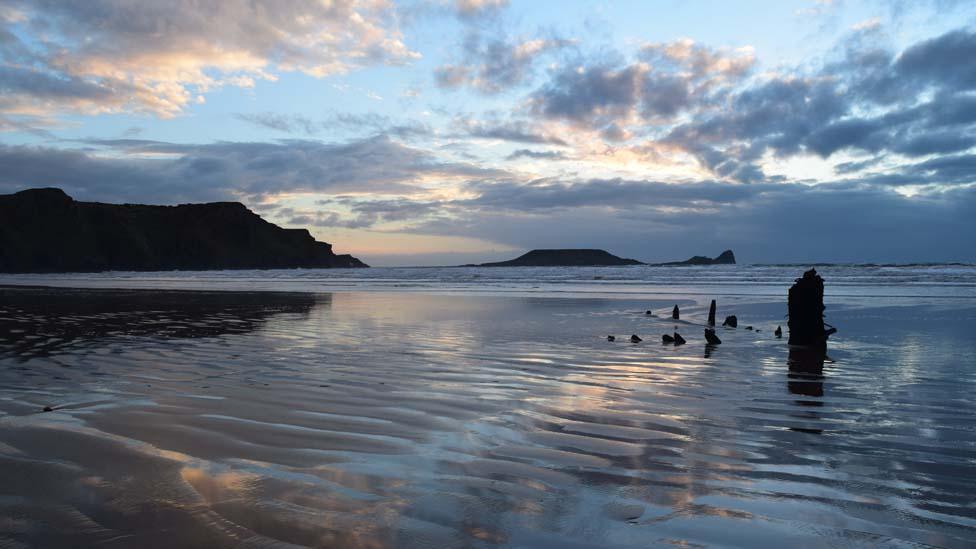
(444, 132)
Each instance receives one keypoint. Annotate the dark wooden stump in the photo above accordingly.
(806, 308)
(711, 314)
(675, 314)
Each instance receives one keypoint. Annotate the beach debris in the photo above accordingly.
(611, 338)
(47, 409)
(806, 308)
(678, 340)
(635, 339)
(711, 314)
(675, 314)
(731, 321)
(711, 338)
(667, 339)
(779, 331)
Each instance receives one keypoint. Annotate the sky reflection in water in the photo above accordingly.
(381, 419)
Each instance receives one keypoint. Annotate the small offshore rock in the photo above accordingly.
(635, 339)
(711, 338)
(47, 409)
(667, 339)
(611, 338)
(779, 331)
(675, 314)
(731, 321)
(649, 312)
(748, 327)
(678, 340)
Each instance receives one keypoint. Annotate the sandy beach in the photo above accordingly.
(381, 419)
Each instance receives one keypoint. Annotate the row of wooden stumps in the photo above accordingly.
(805, 311)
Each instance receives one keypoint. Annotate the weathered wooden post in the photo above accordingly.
(806, 309)
(675, 314)
(711, 314)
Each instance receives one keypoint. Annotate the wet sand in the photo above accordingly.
(365, 419)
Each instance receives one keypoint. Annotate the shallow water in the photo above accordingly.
(402, 419)
(931, 281)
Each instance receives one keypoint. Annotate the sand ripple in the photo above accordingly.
(376, 420)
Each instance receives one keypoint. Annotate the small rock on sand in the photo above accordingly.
(678, 340)
(611, 338)
(667, 339)
(635, 339)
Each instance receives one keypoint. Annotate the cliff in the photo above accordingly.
(724, 258)
(45, 230)
(564, 258)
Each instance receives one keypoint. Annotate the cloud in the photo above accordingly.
(378, 181)
(515, 131)
(919, 102)
(595, 95)
(286, 123)
(546, 195)
(369, 123)
(538, 155)
(682, 96)
(496, 64)
(944, 61)
(668, 79)
(114, 55)
(473, 9)
(762, 223)
(167, 173)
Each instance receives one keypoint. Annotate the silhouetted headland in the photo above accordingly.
(594, 258)
(564, 258)
(724, 258)
(45, 230)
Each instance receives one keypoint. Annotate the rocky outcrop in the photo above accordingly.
(564, 258)
(45, 230)
(595, 258)
(724, 258)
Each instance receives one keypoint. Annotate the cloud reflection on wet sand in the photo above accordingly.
(380, 420)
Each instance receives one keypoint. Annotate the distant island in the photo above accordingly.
(45, 230)
(563, 258)
(724, 258)
(595, 258)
